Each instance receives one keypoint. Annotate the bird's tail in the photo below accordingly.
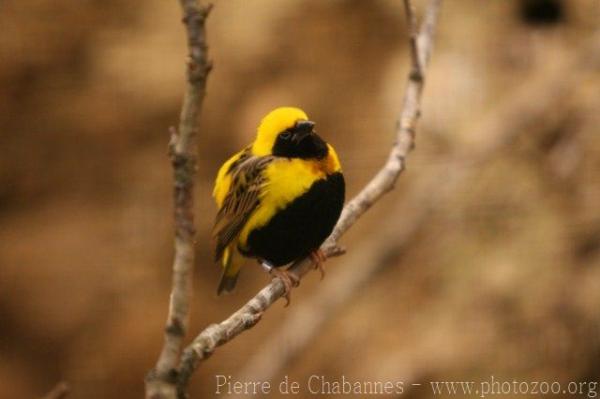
(232, 262)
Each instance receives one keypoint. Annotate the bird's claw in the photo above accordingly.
(289, 281)
(318, 257)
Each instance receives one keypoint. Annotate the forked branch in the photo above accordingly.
(421, 43)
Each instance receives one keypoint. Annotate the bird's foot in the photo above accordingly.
(318, 257)
(288, 279)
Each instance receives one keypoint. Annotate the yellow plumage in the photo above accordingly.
(255, 184)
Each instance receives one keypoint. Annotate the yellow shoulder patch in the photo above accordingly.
(331, 162)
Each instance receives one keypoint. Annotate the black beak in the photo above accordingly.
(302, 129)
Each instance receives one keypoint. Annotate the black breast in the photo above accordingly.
(302, 226)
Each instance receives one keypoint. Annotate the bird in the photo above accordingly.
(278, 199)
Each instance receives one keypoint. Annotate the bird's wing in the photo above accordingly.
(247, 182)
(223, 180)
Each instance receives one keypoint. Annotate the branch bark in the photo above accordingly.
(247, 316)
(160, 382)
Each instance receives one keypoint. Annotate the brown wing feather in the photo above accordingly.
(247, 181)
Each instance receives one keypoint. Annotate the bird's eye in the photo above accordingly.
(285, 135)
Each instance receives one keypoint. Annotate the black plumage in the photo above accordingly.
(302, 226)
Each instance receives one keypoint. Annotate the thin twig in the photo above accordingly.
(413, 32)
(385, 179)
(160, 382)
(246, 317)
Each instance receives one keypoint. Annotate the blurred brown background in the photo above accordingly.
(499, 276)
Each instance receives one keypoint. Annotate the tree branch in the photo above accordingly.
(362, 264)
(160, 382)
(246, 317)
(525, 109)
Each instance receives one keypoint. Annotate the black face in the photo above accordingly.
(300, 141)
